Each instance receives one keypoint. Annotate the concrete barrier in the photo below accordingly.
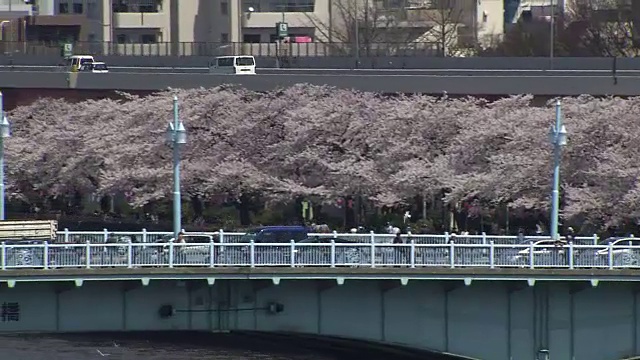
(428, 84)
(382, 62)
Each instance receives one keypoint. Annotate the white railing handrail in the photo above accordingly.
(327, 254)
(66, 234)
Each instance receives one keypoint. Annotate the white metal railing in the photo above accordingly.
(144, 236)
(210, 253)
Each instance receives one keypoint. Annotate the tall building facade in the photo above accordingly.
(251, 22)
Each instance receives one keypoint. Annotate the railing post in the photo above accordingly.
(492, 254)
(595, 239)
(106, 235)
(66, 235)
(571, 255)
(372, 240)
(610, 256)
(171, 253)
(129, 254)
(452, 248)
(221, 236)
(335, 234)
(413, 254)
(144, 235)
(446, 237)
(484, 238)
(212, 252)
(531, 255)
(45, 255)
(292, 258)
(333, 253)
(252, 254)
(87, 255)
(3, 253)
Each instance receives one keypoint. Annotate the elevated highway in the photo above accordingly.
(339, 71)
(451, 81)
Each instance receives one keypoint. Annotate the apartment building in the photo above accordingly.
(248, 21)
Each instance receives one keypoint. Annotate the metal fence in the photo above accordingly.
(210, 254)
(144, 236)
(221, 49)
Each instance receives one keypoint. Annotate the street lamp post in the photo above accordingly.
(5, 132)
(176, 137)
(558, 136)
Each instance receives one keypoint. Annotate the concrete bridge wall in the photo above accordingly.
(487, 319)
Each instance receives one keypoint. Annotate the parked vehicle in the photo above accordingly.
(275, 234)
(23, 236)
(345, 252)
(624, 252)
(545, 253)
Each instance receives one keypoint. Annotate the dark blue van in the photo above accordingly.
(276, 234)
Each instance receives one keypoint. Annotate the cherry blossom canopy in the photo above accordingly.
(323, 142)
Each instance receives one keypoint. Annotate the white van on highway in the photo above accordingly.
(237, 65)
(76, 61)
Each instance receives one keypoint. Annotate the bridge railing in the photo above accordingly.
(144, 236)
(314, 49)
(322, 254)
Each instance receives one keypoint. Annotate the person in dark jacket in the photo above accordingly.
(399, 250)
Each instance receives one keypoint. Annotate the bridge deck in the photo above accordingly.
(338, 273)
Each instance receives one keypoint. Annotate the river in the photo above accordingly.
(173, 346)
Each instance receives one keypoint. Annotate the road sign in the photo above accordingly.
(282, 29)
(67, 50)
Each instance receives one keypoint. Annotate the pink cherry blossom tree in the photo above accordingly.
(323, 143)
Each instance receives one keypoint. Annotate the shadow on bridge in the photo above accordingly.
(283, 343)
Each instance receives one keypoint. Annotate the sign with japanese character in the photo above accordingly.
(10, 311)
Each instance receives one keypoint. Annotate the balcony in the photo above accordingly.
(140, 20)
(269, 19)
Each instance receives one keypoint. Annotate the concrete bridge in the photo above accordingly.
(575, 314)
(469, 300)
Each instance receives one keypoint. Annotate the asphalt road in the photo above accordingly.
(352, 72)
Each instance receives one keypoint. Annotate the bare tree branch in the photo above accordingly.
(371, 29)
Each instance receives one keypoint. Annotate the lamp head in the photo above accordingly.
(562, 136)
(5, 127)
(181, 134)
(169, 134)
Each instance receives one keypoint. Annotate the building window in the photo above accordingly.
(224, 8)
(148, 38)
(291, 6)
(63, 8)
(292, 38)
(135, 6)
(121, 38)
(77, 8)
(255, 4)
(224, 38)
(251, 38)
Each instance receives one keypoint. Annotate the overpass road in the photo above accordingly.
(346, 72)
(453, 81)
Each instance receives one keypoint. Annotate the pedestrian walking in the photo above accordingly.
(399, 250)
